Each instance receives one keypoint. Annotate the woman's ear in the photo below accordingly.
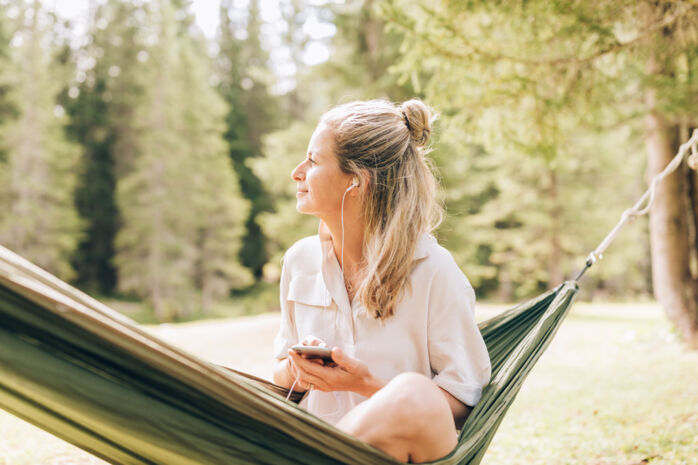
(364, 178)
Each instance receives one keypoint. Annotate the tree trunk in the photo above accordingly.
(692, 210)
(671, 216)
(674, 287)
(692, 181)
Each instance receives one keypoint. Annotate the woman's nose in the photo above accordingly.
(297, 174)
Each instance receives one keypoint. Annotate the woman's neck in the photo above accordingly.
(353, 243)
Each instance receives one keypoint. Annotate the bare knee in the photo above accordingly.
(409, 418)
(422, 418)
(416, 402)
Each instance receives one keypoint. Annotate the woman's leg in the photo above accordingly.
(409, 419)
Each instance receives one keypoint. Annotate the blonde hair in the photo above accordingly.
(389, 142)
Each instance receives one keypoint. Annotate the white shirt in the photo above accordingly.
(433, 330)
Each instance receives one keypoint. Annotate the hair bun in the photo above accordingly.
(418, 118)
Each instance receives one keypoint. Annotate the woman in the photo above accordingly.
(409, 361)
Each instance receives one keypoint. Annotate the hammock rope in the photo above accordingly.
(644, 204)
(87, 374)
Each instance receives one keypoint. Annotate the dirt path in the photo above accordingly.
(245, 344)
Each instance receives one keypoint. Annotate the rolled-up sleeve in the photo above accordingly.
(457, 352)
(287, 335)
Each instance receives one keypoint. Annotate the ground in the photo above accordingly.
(614, 387)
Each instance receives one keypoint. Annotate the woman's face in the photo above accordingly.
(320, 181)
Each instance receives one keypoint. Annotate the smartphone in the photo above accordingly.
(322, 353)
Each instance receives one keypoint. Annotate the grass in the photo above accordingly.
(614, 387)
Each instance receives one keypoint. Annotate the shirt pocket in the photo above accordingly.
(315, 311)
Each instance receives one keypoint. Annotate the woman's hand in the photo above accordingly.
(293, 372)
(349, 374)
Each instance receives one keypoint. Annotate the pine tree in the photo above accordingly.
(101, 107)
(7, 109)
(180, 204)
(363, 50)
(37, 175)
(283, 150)
(244, 84)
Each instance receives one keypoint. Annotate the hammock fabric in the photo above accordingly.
(85, 373)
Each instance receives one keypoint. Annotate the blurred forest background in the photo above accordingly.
(148, 162)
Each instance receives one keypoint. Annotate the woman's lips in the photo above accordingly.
(301, 192)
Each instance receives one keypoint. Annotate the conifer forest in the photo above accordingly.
(145, 156)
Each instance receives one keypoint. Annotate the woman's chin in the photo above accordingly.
(301, 207)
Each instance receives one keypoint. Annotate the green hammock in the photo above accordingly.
(87, 374)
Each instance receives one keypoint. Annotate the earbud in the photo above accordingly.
(354, 183)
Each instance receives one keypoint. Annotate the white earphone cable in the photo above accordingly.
(291, 390)
(353, 185)
(341, 265)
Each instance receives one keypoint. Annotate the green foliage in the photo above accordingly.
(181, 208)
(178, 161)
(37, 170)
(359, 68)
(7, 109)
(101, 107)
(284, 149)
(540, 133)
(252, 112)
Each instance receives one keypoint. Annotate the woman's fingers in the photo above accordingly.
(317, 383)
(303, 371)
(302, 362)
(311, 340)
(313, 366)
(347, 375)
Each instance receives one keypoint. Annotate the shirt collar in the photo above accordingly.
(420, 252)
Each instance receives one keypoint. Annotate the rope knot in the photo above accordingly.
(693, 158)
(693, 162)
(630, 214)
